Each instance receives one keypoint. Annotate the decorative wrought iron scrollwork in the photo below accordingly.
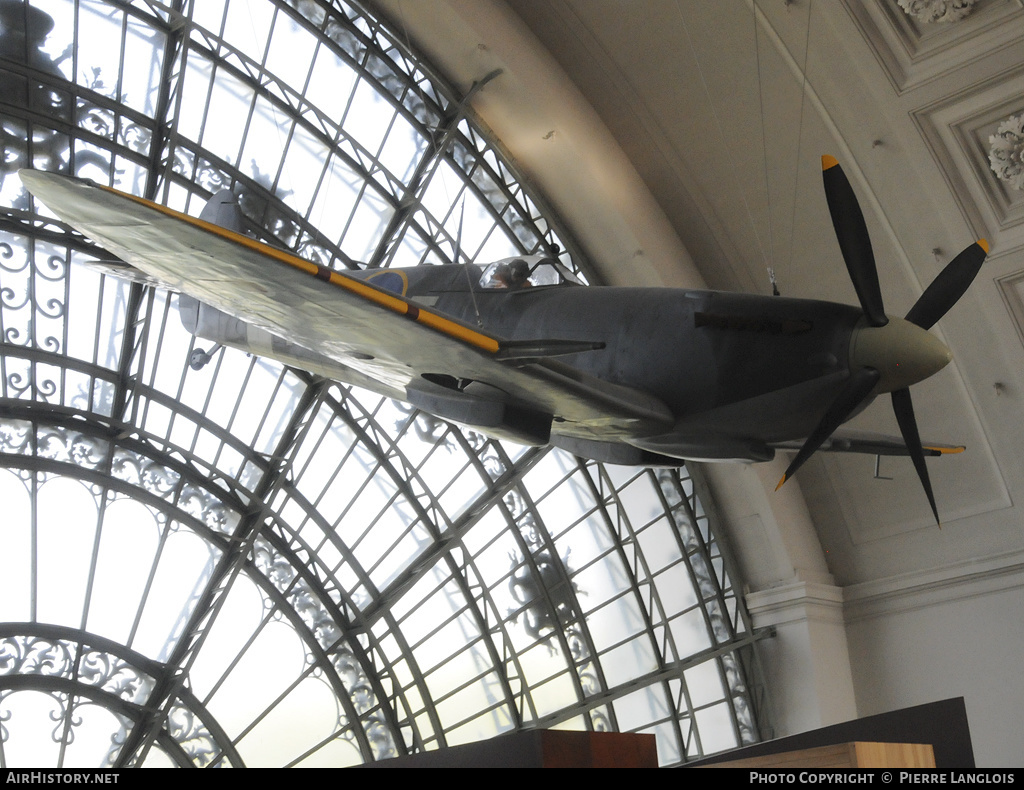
(115, 675)
(197, 502)
(379, 735)
(738, 691)
(5, 716)
(62, 444)
(16, 437)
(357, 683)
(28, 654)
(53, 268)
(210, 177)
(64, 732)
(134, 136)
(182, 162)
(427, 427)
(492, 460)
(541, 583)
(528, 584)
(117, 740)
(34, 655)
(599, 720)
(15, 293)
(190, 732)
(273, 565)
(306, 602)
(97, 120)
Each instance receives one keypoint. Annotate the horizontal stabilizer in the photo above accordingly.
(871, 444)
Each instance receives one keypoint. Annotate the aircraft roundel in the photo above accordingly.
(388, 280)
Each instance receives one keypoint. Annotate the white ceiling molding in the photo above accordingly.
(1011, 289)
(935, 586)
(957, 128)
(913, 53)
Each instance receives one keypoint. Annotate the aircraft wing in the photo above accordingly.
(385, 337)
(871, 444)
(123, 271)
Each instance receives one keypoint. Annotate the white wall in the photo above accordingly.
(958, 632)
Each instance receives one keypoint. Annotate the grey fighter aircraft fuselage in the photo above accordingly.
(776, 361)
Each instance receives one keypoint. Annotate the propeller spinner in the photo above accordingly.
(886, 354)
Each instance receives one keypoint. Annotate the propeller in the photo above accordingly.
(886, 354)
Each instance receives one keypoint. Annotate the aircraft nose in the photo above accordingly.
(902, 352)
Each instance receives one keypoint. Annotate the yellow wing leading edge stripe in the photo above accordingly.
(350, 284)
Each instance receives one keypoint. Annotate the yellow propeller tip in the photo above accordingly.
(783, 480)
(946, 450)
(828, 161)
(983, 243)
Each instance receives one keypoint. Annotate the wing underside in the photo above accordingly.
(385, 337)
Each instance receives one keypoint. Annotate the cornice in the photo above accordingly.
(935, 587)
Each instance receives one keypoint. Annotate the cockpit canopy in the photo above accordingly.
(526, 271)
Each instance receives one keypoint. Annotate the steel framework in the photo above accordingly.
(250, 565)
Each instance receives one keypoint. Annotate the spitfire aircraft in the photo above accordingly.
(520, 349)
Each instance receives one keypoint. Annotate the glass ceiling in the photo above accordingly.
(247, 564)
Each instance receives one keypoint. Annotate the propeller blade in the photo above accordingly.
(852, 233)
(904, 408)
(858, 387)
(949, 286)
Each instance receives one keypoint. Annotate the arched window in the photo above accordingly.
(247, 564)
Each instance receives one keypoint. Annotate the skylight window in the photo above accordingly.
(247, 564)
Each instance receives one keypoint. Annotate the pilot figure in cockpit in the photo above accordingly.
(514, 275)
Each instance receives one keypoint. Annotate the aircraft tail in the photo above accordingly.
(223, 209)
